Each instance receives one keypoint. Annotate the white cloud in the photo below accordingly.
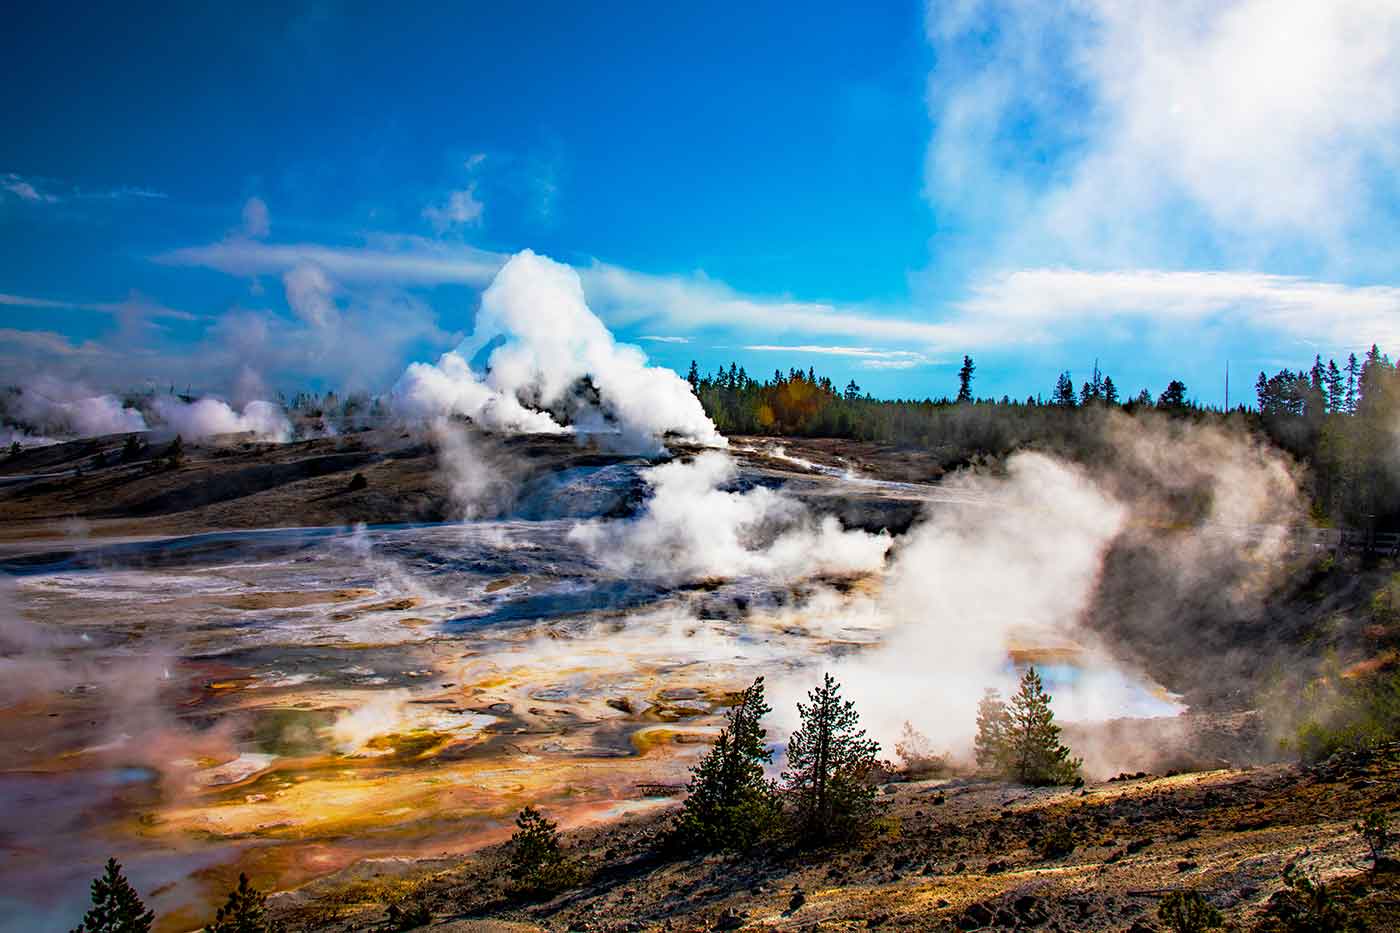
(1135, 130)
(310, 295)
(1029, 306)
(869, 356)
(652, 338)
(891, 364)
(462, 208)
(693, 302)
(1038, 305)
(256, 221)
(399, 260)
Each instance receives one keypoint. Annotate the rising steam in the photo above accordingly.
(209, 416)
(1033, 567)
(551, 358)
(694, 528)
(49, 409)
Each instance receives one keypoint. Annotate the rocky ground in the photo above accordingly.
(947, 855)
(88, 489)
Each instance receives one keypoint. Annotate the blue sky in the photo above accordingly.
(871, 192)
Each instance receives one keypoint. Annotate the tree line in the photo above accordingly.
(806, 404)
(1335, 419)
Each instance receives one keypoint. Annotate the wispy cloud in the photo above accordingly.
(891, 364)
(653, 338)
(24, 190)
(257, 222)
(462, 208)
(397, 259)
(868, 357)
(45, 191)
(125, 191)
(29, 352)
(103, 307)
(693, 302)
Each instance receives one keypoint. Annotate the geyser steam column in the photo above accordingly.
(547, 342)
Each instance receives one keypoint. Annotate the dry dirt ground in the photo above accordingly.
(959, 855)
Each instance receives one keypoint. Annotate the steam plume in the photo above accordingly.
(51, 410)
(208, 416)
(546, 347)
(1040, 562)
(694, 528)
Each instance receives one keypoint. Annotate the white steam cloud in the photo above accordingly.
(968, 583)
(91, 416)
(693, 528)
(545, 346)
(1203, 512)
(208, 416)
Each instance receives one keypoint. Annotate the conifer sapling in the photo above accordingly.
(116, 907)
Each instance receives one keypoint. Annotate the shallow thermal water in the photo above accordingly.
(288, 701)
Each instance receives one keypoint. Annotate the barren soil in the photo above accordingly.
(948, 856)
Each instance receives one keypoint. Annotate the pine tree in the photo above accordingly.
(1336, 388)
(537, 860)
(1092, 391)
(1033, 740)
(965, 380)
(1064, 391)
(244, 912)
(831, 766)
(992, 725)
(693, 377)
(1374, 381)
(116, 907)
(1144, 399)
(1353, 377)
(730, 804)
(1173, 397)
(1110, 391)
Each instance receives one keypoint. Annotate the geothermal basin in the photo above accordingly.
(286, 702)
